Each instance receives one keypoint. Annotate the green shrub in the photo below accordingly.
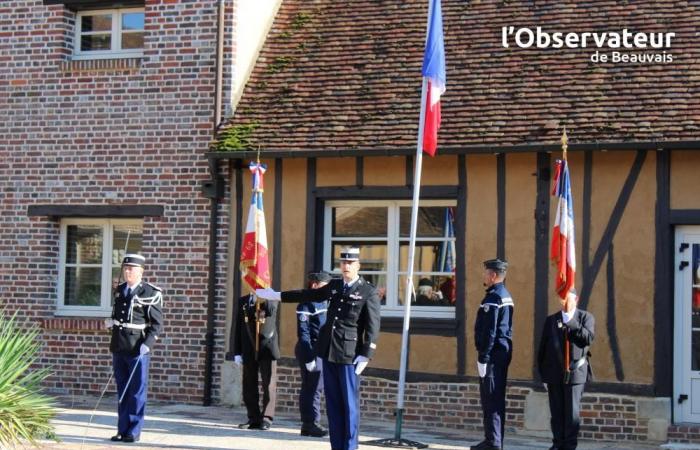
(25, 413)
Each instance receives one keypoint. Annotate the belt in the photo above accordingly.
(578, 363)
(133, 326)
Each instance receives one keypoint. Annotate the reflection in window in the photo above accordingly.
(92, 252)
(695, 310)
(109, 34)
(381, 230)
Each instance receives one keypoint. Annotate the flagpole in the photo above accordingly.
(408, 292)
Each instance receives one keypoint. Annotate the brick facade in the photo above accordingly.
(112, 132)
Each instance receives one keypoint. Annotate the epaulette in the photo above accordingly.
(153, 286)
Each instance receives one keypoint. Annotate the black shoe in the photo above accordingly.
(130, 438)
(117, 438)
(484, 445)
(249, 426)
(265, 425)
(313, 430)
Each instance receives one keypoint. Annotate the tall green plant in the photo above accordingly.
(25, 413)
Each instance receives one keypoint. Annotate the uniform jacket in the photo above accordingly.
(493, 329)
(142, 307)
(244, 344)
(311, 316)
(353, 321)
(550, 357)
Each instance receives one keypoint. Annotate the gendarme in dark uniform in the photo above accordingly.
(576, 328)
(136, 323)
(311, 316)
(493, 334)
(346, 343)
(263, 361)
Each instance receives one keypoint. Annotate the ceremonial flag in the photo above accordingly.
(563, 253)
(434, 73)
(254, 258)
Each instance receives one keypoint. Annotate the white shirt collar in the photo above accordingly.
(354, 280)
(133, 288)
(566, 317)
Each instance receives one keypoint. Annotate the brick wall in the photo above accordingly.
(112, 132)
(606, 417)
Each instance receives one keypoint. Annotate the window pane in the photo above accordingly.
(430, 290)
(82, 286)
(102, 22)
(95, 42)
(126, 239)
(430, 256)
(132, 21)
(433, 221)
(84, 244)
(132, 40)
(379, 281)
(358, 221)
(373, 256)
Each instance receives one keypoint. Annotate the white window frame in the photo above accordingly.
(392, 308)
(105, 307)
(116, 33)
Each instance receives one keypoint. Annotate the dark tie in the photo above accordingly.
(346, 288)
(128, 292)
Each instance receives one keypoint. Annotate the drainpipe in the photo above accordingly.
(214, 190)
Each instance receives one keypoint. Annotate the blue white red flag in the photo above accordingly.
(255, 267)
(563, 252)
(434, 72)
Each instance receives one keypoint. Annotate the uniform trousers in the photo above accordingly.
(310, 395)
(492, 389)
(342, 389)
(251, 396)
(132, 409)
(565, 404)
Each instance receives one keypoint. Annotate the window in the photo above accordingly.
(90, 259)
(382, 230)
(110, 33)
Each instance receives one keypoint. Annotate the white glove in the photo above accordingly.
(360, 364)
(311, 366)
(481, 368)
(109, 323)
(319, 364)
(237, 360)
(144, 349)
(268, 294)
(546, 388)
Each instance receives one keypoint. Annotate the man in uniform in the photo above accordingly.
(136, 323)
(347, 342)
(563, 364)
(310, 318)
(493, 333)
(256, 346)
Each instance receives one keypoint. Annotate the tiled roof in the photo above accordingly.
(346, 75)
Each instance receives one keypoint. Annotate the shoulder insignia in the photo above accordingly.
(303, 317)
(486, 308)
(154, 286)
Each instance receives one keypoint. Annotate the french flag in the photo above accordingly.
(434, 73)
(563, 253)
(254, 256)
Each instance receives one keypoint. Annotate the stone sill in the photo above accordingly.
(73, 324)
(101, 65)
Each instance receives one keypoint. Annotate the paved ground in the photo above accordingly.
(189, 427)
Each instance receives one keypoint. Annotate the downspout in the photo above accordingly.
(214, 190)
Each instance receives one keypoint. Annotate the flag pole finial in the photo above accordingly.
(564, 143)
(257, 158)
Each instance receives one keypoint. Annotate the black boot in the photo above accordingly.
(313, 430)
